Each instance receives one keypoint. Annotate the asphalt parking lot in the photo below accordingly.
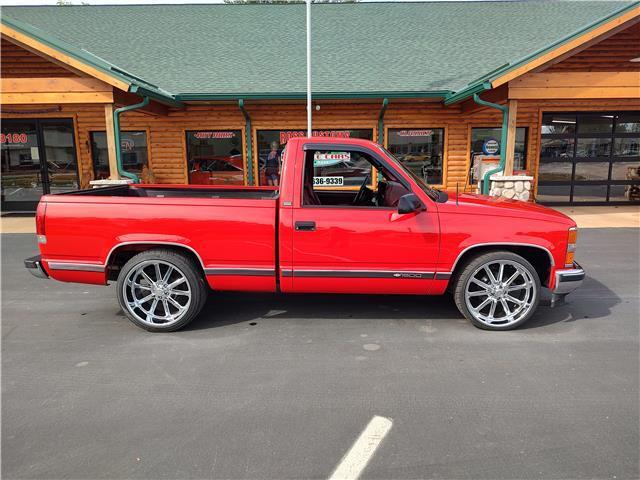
(274, 387)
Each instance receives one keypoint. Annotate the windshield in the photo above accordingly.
(432, 192)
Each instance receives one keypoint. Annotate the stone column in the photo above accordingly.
(516, 187)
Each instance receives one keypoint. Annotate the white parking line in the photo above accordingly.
(358, 456)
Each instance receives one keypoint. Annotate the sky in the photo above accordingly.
(137, 2)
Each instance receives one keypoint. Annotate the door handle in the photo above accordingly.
(306, 226)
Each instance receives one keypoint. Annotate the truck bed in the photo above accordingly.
(227, 229)
(179, 191)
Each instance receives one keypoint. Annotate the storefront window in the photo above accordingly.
(215, 157)
(486, 141)
(555, 171)
(590, 157)
(134, 153)
(420, 150)
(593, 147)
(627, 147)
(595, 124)
(628, 122)
(271, 143)
(559, 124)
(558, 148)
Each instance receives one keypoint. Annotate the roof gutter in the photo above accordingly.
(248, 136)
(486, 182)
(116, 127)
(185, 97)
(383, 109)
(166, 99)
(467, 92)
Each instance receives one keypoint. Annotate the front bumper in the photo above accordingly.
(568, 280)
(34, 265)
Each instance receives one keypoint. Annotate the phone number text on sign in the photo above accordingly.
(328, 181)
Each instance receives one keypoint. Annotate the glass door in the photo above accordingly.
(22, 175)
(589, 158)
(38, 157)
(60, 154)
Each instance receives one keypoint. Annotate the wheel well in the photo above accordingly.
(124, 253)
(537, 257)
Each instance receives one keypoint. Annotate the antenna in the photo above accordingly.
(308, 68)
(457, 190)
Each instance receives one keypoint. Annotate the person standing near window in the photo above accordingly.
(272, 165)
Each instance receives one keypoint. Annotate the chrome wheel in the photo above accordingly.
(157, 293)
(500, 293)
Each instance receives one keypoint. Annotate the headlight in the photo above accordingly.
(571, 247)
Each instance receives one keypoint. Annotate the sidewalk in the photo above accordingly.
(17, 224)
(626, 216)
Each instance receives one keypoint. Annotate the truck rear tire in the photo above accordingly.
(497, 290)
(161, 290)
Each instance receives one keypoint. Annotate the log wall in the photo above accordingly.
(166, 135)
(609, 55)
(18, 62)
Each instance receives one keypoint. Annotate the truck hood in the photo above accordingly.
(496, 206)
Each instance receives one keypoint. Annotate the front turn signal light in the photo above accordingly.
(571, 247)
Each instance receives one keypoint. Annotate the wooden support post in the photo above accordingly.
(511, 138)
(111, 142)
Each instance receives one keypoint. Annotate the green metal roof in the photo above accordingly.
(363, 49)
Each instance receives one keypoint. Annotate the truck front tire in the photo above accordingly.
(161, 290)
(498, 290)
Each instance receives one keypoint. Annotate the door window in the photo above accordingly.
(346, 178)
(272, 142)
(60, 154)
(215, 157)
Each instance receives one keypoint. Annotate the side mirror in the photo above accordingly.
(409, 203)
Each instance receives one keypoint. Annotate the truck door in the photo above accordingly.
(348, 236)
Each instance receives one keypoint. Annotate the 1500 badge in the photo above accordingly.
(407, 275)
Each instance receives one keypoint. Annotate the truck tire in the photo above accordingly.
(497, 290)
(161, 290)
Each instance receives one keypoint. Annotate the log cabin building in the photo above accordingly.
(208, 94)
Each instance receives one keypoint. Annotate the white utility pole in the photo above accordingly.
(308, 68)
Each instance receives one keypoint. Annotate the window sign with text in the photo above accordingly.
(214, 157)
(421, 150)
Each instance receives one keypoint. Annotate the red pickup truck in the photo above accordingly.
(381, 229)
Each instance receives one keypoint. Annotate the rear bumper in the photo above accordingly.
(568, 280)
(34, 265)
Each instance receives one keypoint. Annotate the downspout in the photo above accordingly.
(486, 182)
(383, 109)
(249, 141)
(116, 133)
